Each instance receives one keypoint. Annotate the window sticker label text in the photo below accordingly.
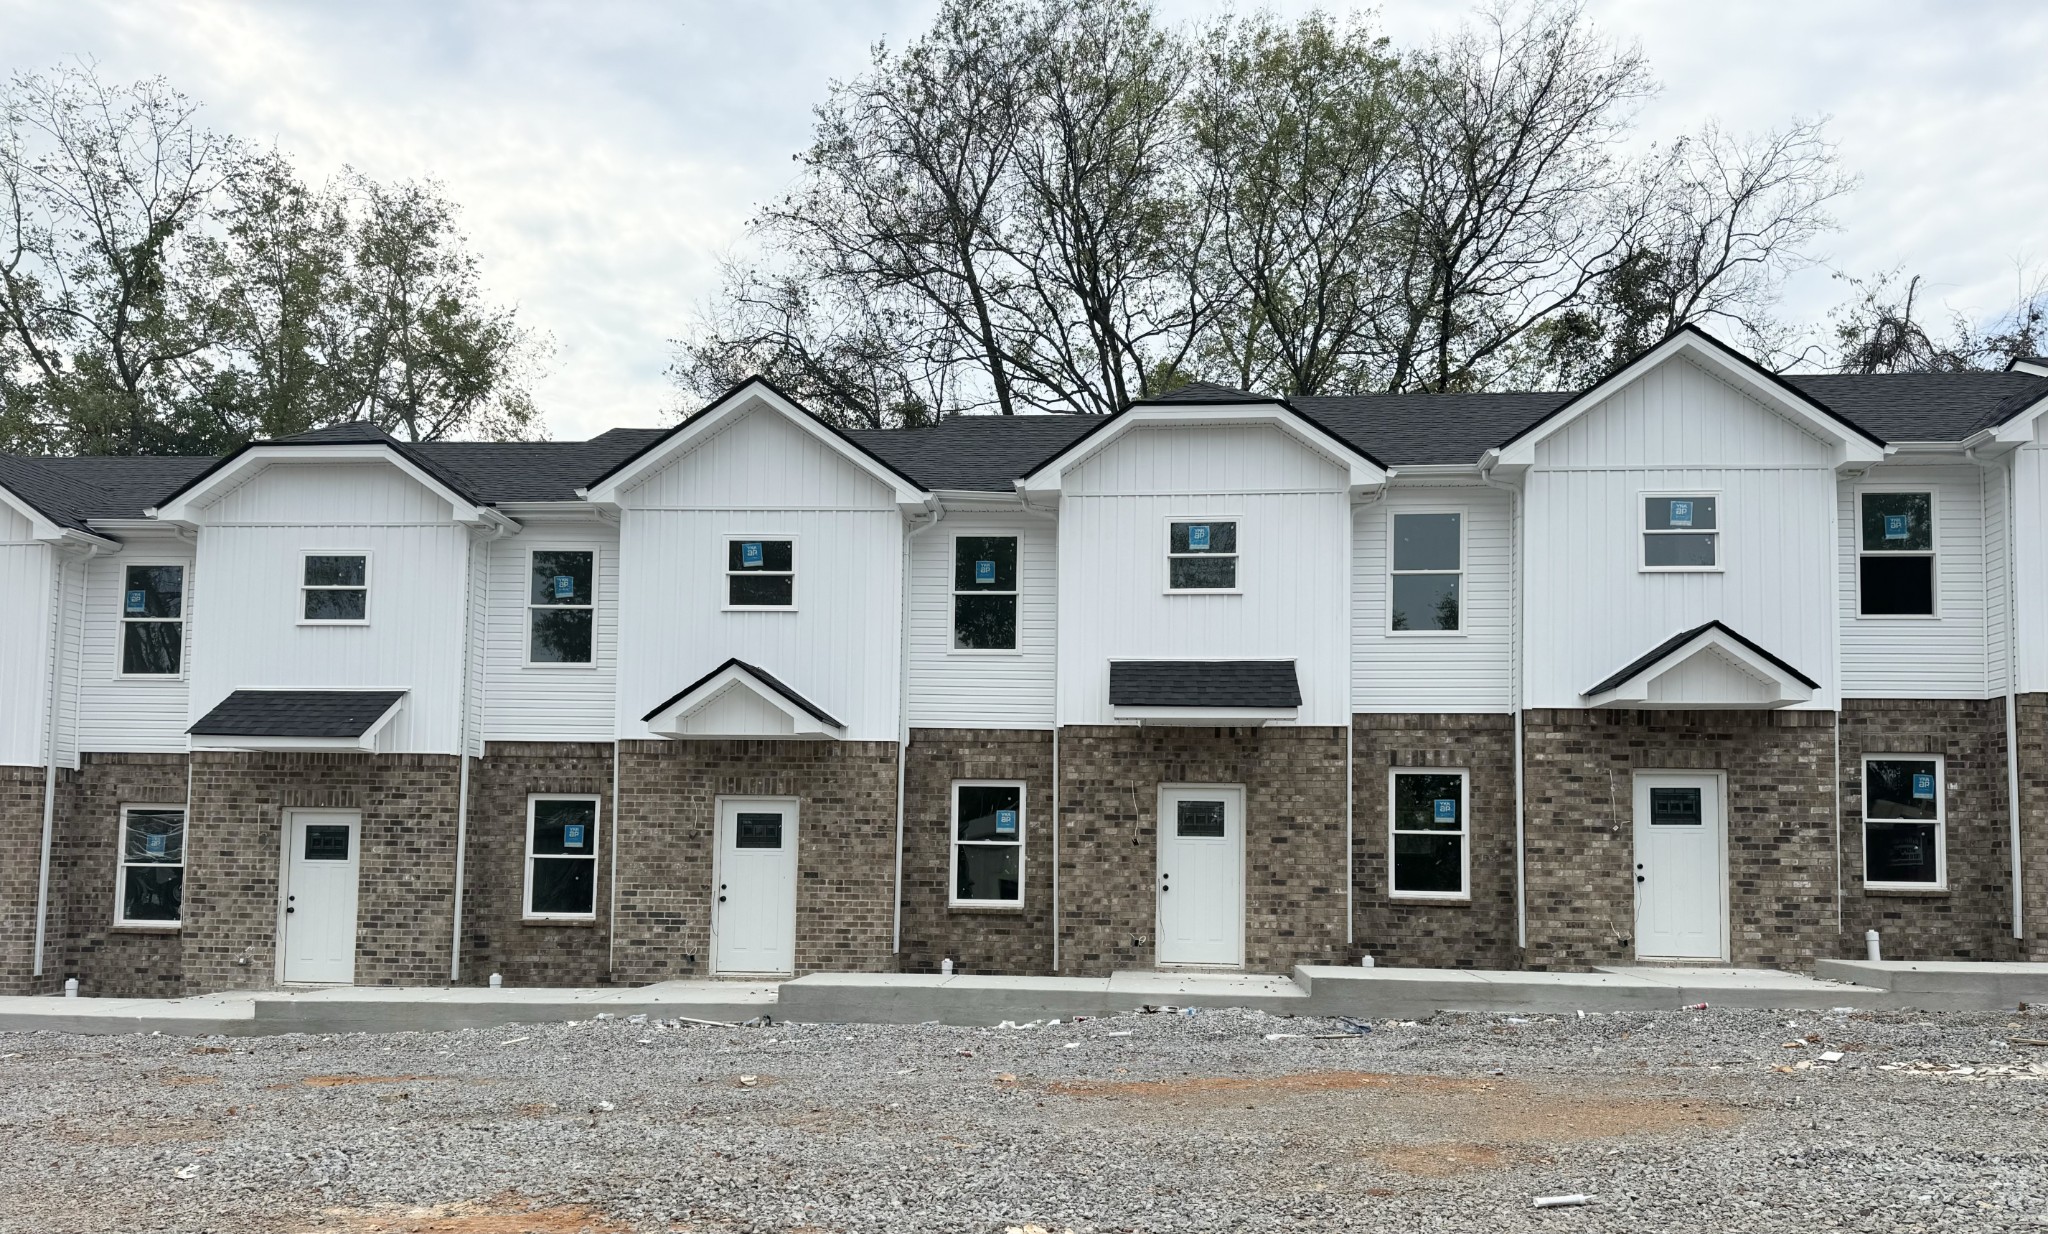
(750, 552)
(138, 601)
(572, 835)
(1681, 514)
(565, 587)
(985, 572)
(1198, 535)
(1923, 787)
(1894, 526)
(1006, 822)
(155, 845)
(1447, 809)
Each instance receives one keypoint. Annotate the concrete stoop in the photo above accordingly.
(1960, 985)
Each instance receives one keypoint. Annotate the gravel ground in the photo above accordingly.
(1214, 1121)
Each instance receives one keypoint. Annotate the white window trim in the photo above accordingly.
(1933, 555)
(1167, 558)
(953, 589)
(1940, 883)
(954, 842)
(368, 587)
(596, 836)
(1644, 531)
(526, 586)
(1464, 834)
(726, 574)
(122, 864)
(183, 618)
(1463, 521)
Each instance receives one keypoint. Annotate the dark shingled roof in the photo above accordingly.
(1203, 683)
(1680, 639)
(1925, 406)
(759, 674)
(1207, 392)
(984, 453)
(296, 713)
(1419, 430)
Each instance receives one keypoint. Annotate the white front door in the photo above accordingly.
(1201, 875)
(1681, 911)
(320, 895)
(753, 913)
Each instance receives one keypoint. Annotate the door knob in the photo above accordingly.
(291, 910)
(1641, 879)
(721, 899)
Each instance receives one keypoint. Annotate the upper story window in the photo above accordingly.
(985, 593)
(1903, 841)
(1428, 573)
(335, 589)
(561, 605)
(152, 621)
(760, 573)
(1895, 555)
(1201, 555)
(1681, 531)
(152, 890)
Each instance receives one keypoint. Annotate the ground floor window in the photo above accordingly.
(988, 843)
(152, 890)
(1428, 835)
(1904, 845)
(561, 856)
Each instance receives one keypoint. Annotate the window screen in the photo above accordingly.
(985, 593)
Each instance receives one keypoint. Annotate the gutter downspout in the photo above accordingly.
(1516, 558)
(902, 718)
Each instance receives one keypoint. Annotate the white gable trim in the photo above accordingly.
(1710, 671)
(734, 703)
(752, 395)
(1365, 474)
(186, 506)
(1851, 447)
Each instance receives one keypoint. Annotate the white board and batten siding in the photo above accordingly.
(117, 713)
(950, 688)
(1470, 671)
(1944, 656)
(2030, 581)
(1293, 522)
(250, 544)
(25, 566)
(549, 702)
(1589, 608)
(763, 477)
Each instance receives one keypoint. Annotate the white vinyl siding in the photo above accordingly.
(1943, 656)
(953, 689)
(1469, 672)
(24, 655)
(119, 712)
(544, 702)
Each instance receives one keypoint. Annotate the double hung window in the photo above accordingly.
(1895, 555)
(1201, 555)
(335, 589)
(1903, 824)
(985, 593)
(1429, 837)
(152, 878)
(760, 573)
(1681, 531)
(988, 844)
(1428, 573)
(561, 857)
(152, 620)
(561, 606)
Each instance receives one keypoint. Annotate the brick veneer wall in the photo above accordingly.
(496, 937)
(978, 940)
(1580, 831)
(406, 870)
(1294, 839)
(112, 961)
(21, 834)
(1475, 934)
(1972, 920)
(846, 849)
(2032, 716)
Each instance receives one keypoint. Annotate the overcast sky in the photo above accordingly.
(606, 153)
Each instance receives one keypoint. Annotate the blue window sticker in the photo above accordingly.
(565, 587)
(985, 572)
(1198, 536)
(750, 553)
(1681, 514)
(1923, 787)
(572, 835)
(155, 845)
(1447, 809)
(1006, 822)
(138, 601)
(1894, 526)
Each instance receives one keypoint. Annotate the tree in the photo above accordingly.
(1880, 330)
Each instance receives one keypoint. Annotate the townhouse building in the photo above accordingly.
(1701, 664)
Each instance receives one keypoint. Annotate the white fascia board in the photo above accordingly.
(1635, 692)
(1365, 475)
(2017, 430)
(346, 745)
(607, 491)
(184, 508)
(67, 539)
(1851, 448)
(1207, 717)
(668, 722)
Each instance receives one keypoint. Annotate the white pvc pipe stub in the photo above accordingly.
(1872, 945)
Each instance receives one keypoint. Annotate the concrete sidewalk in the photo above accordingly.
(910, 998)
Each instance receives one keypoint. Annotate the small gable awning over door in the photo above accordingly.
(1223, 693)
(297, 720)
(1709, 666)
(737, 699)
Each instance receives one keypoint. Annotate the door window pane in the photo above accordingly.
(1675, 807)
(758, 831)
(327, 843)
(1200, 820)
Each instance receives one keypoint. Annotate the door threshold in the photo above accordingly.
(1655, 961)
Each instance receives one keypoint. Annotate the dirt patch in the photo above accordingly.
(1275, 1085)
(345, 1081)
(1440, 1160)
(502, 1214)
